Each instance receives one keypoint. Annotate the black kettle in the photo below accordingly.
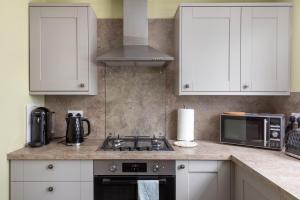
(75, 130)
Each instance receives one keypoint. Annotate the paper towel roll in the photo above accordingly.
(185, 124)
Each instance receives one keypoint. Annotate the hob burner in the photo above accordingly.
(136, 143)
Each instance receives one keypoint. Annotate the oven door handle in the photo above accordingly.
(265, 132)
(108, 181)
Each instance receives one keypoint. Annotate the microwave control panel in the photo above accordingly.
(275, 133)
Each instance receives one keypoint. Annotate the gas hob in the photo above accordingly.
(136, 143)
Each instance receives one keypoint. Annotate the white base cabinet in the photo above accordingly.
(51, 180)
(233, 49)
(247, 185)
(202, 180)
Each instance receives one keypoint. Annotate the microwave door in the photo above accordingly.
(256, 131)
(251, 131)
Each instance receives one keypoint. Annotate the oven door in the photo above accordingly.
(245, 130)
(126, 187)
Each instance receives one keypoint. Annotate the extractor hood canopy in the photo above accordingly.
(135, 50)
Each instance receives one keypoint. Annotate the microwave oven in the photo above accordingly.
(252, 129)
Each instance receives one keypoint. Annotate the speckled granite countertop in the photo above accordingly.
(280, 170)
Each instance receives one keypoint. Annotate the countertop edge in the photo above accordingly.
(242, 164)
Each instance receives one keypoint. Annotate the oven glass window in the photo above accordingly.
(126, 188)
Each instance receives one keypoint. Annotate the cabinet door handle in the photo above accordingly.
(245, 87)
(50, 189)
(82, 85)
(182, 166)
(50, 166)
(186, 86)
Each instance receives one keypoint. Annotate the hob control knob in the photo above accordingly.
(275, 134)
(113, 168)
(155, 168)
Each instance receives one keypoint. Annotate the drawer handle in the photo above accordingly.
(245, 87)
(186, 86)
(82, 85)
(50, 189)
(50, 166)
(181, 166)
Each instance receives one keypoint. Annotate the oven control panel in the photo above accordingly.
(133, 167)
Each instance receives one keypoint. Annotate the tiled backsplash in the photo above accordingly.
(141, 101)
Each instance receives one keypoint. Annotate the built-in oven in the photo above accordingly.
(256, 130)
(119, 179)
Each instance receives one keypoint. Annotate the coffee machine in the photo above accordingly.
(42, 126)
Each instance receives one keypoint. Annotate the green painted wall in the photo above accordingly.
(296, 48)
(14, 79)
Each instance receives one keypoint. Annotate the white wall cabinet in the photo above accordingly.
(63, 47)
(233, 49)
(51, 179)
(202, 180)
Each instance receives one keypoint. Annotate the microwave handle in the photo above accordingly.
(265, 132)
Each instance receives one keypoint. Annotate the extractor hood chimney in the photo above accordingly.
(135, 50)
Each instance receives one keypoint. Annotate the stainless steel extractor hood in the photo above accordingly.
(135, 50)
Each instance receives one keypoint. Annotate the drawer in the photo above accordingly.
(52, 191)
(52, 170)
(203, 166)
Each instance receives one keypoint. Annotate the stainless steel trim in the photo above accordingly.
(135, 50)
(166, 167)
(135, 22)
(134, 182)
(248, 145)
(293, 155)
(262, 115)
(265, 132)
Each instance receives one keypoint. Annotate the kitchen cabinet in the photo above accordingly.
(233, 49)
(63, 46)
(265, 49)
(203, 180)
(249, 186)
(51, 179)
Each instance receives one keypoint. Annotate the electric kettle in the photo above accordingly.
(75, 129)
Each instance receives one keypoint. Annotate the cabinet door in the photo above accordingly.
(249, 186)
(202, 180)
(265, 64)
(59, 49)
(210, 39)
(203, 186)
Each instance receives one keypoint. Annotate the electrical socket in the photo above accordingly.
(75, 112)
(297, 115)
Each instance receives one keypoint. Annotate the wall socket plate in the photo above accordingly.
(75, 112)
(297, 115)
